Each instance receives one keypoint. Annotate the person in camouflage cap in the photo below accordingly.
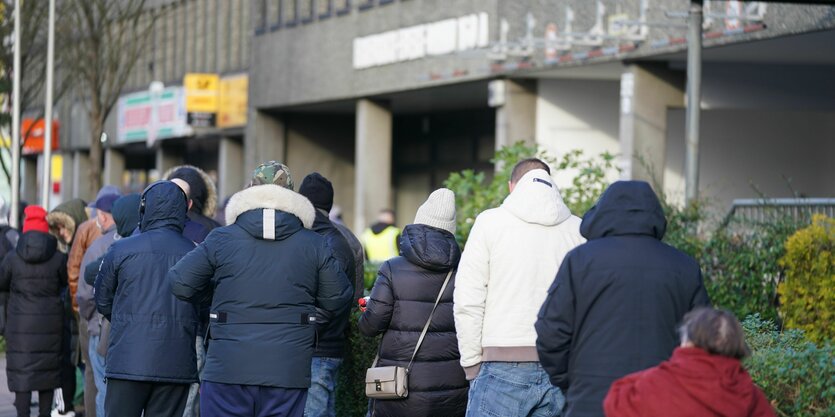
(272, 172)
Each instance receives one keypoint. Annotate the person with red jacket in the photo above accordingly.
(704, 377)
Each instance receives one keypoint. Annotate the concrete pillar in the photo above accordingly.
(166, 159)
(516, 113)
(373, 162)
(264, 140)
(114, 167)
(29, 179)
(67, 177)
(230, 177)
(646, 92)
(81, 176)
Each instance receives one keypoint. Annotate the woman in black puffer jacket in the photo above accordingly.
(34, 275)
(400, 304)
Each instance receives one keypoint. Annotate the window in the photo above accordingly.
(306, 8)
(262, 18)
(324, 8)
(365, 5)
(289, 12)
(342, 7)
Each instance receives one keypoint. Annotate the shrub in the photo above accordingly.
(808, 293)
(478, 191)
(795, 374)
(350, 383)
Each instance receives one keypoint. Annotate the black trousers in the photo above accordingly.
(22, 402)
(130, 398)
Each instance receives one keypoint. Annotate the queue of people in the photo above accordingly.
(542, 313)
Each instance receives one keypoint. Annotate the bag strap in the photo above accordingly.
(429, 321)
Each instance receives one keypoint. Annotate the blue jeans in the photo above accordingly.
(321, 397)
(193, 402)
(513, 389)
(97, 363)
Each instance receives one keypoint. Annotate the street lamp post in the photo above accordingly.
(694, 98)
(47, 145)
(15, 209)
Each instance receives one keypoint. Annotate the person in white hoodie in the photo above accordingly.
(509, 262)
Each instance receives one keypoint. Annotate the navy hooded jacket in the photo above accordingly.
(266, 275)
(617, 299)
(152, 333)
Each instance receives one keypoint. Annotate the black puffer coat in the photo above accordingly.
(332, 338)
(401, 301)
(35, 275)
(617, 299)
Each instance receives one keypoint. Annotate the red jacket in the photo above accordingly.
(693, 383)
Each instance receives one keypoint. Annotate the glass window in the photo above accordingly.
(289, 12)
(324, 8)
(306, 8)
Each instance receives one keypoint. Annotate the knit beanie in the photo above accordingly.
(35, 220)
(318, 190)
(438, 210)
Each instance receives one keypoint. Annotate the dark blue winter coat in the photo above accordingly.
(332, 337)
(266, 274)
(617, 299)
(152, 333)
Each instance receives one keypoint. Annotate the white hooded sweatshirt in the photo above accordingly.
(509, 262)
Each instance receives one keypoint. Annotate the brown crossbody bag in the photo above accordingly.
(392, 382)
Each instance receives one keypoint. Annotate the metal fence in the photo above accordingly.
(767, 210)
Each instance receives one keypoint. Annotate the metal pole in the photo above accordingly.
(694, 99)
(46, 189)
(15, 209)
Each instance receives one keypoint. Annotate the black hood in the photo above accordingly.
(36, 247)
(165, 206)
(429, 247)
(126, 214)
(625, 208)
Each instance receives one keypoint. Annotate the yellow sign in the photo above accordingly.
(201, 92)
(233, 101)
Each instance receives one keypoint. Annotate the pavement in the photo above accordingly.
(6, 397)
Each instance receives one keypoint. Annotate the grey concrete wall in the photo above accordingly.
(327, 148)
(742, 151)
(313, 62)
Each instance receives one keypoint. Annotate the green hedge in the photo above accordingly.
(795, 374)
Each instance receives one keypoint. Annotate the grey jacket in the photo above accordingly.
(84, 296)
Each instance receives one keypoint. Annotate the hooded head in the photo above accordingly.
(163, 205)
(35, 220)
(201, 188)
(126, 214)
(438, 210)
(536, 199)
(318, 190)
(625, 208)
(66, 217)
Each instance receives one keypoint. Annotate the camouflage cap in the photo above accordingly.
(272, 172)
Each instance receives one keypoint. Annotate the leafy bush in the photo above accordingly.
(808, 293)
(478, 191)
(350, 383)
(795, 374)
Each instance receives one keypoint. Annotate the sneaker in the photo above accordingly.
(57, 413)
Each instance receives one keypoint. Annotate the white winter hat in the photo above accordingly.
(438, 210)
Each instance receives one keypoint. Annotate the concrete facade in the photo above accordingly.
(373, 162)
(333, 89)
